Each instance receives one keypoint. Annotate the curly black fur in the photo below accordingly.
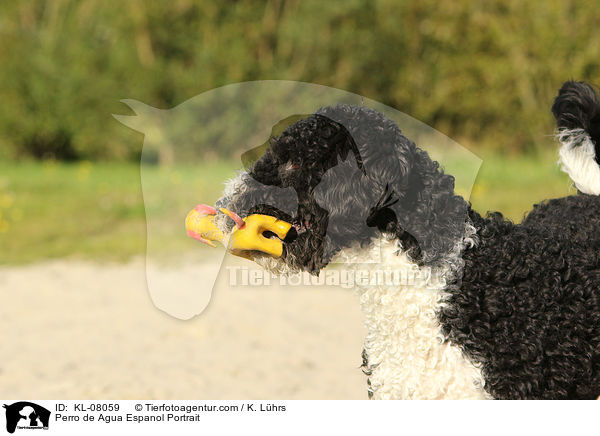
(577, 216)
(526, 308)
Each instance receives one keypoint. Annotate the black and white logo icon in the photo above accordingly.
(26, 415)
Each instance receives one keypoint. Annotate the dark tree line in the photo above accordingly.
(485, 73)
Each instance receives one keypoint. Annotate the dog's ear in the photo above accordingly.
(343, 144)
(345, 193)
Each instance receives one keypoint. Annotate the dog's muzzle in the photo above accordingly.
(255, 233)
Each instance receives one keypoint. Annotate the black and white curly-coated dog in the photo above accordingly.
(506, 311)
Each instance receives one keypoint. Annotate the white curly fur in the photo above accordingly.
(406, 352)
(233, 188)
(577, 158)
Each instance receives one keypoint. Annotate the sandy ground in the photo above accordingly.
(89, 331)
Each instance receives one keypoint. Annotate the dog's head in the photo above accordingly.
(337, 179)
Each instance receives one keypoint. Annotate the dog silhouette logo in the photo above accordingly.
(26, 415)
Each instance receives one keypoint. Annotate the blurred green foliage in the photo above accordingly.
(484, 73)
(96, 210)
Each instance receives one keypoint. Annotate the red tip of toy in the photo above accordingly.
(239, 223)
(197, 236)
(204, 208)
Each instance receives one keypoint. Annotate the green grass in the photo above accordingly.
(84, 210)
(96, 211)
(513, 185)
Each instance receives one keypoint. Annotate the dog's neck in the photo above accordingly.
(405, 355)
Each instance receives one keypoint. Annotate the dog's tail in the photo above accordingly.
(577, 113)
